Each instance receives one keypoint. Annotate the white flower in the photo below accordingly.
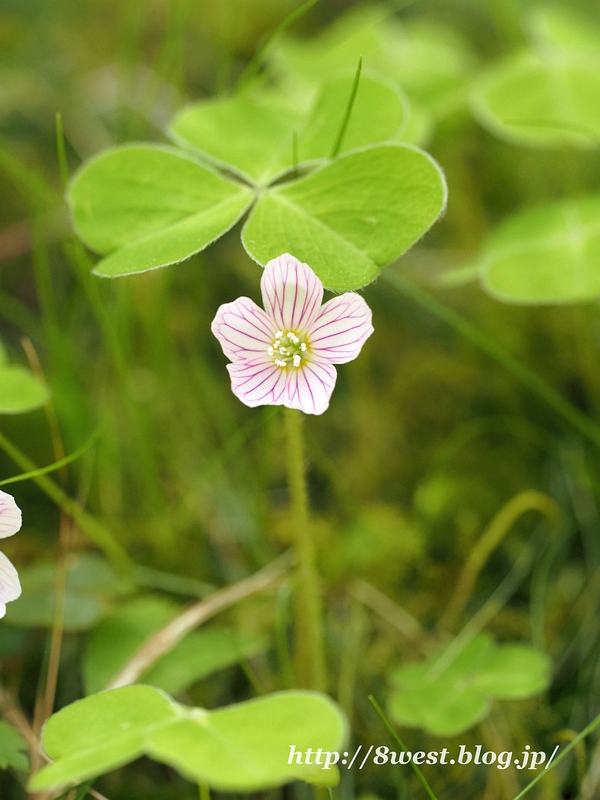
(284, 355)
(10, 523)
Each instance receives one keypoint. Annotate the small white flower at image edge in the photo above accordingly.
(10, 523)
(285, 354)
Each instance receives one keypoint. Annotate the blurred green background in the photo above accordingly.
(426, 439)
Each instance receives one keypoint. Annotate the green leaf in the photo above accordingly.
(199, 655)
(91, 585)
(13, 748)
(443, 708)
(246, 747)
(249, 135)
(379, 113)
(447, 699)
(537, 102)
(548, 254)
(100, 733)
(150, 206)
(120, 634)
(516, 671)
(243, 747)
(353, 216)
(20, 391)
(254, 135)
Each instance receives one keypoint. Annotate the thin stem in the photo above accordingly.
(61, 151)
(25, 476)
(340, 138)
(83, 519)
(491, 537)
(309, 650)
(519, 371)
(388, 725)
(14, 715)
(595, 723)
(204, 791)
(47, 700)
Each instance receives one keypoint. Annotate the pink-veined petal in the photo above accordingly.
(309, 388)
(292, 293)
(243, 329)
(341, 329)
(10, 588)
(10, 515)
(258, 382)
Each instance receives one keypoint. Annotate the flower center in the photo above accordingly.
(288, 349)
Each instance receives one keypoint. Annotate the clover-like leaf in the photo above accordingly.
(353, 216)
(547, 254)
(100, 733)
(540, 102)
(148, 206)
(448, 698)
(244, 747)
(380, 112)
(254, 136)
(245, 134)
(196, 656)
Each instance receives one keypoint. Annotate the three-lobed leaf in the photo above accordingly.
(353, 216)
(452, 699)
(245, 134)
(149, 206)
(274, 136)
(244, 747)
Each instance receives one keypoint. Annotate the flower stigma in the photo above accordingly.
(288, 349)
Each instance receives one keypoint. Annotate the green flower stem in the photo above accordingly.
(84, 520)
(204, 791)
(309, 653)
